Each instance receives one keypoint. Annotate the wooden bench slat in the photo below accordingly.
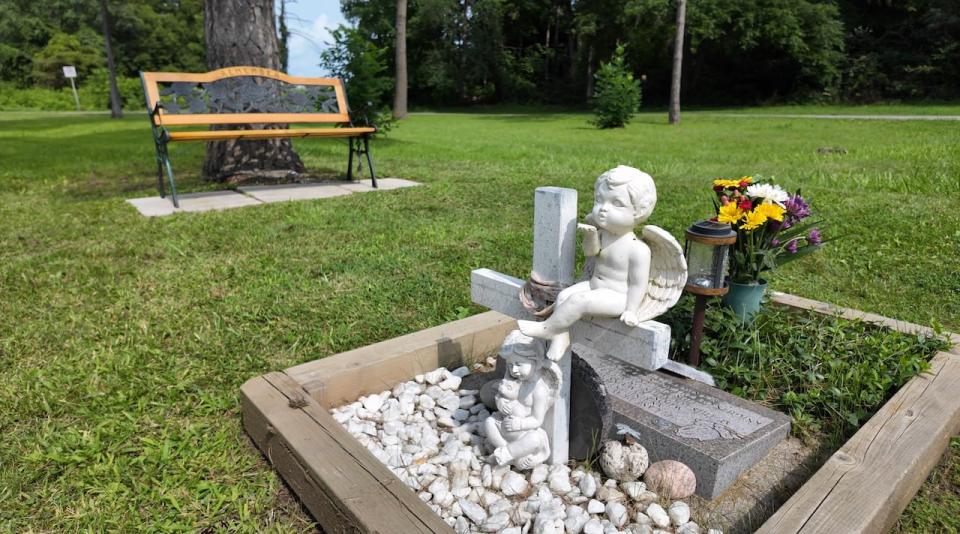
(170, 119)
(344, 486)
(214, 135)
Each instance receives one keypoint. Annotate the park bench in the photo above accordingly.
(247, 95)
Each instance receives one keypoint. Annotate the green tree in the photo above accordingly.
(361, 65)
(617, 93)
(84, 52)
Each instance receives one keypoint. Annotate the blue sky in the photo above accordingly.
(310, 23)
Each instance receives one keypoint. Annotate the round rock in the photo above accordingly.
(671, 479)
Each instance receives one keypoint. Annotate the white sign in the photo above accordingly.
(70, 71)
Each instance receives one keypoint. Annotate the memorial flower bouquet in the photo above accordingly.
(773, 226)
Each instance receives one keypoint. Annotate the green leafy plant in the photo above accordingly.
(362, 66)
(616, 94)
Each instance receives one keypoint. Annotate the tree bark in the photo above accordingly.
(400, 48)
(116, 107)
(243, 33)
(674, 114)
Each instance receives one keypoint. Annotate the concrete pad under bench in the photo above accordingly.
(205, 201)
(253, 195)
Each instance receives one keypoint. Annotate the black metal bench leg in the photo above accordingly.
(366, 150)
(163, 192)
(173, 186)
(350, 160)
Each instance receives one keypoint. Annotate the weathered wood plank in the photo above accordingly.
(378, 367)
(826, 308)
(344, 486)
(865, 486)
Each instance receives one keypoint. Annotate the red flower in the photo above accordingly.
(744, 183)
(714, 219)
(746, 205)
(718, 188)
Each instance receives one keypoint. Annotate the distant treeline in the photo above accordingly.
(546, 51)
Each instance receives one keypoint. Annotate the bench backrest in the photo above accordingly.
(242, 95)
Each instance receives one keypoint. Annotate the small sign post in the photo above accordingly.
(71, 72)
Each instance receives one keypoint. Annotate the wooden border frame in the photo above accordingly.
(863, 487)
(150, 80)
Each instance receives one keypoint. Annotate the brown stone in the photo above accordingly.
(671, 479)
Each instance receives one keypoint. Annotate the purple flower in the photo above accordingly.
(814, 237)
(774, 242)
(792, 246)
(797, 207)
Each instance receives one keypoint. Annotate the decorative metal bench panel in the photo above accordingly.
(247, 95)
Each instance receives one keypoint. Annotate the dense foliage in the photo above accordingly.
(38, 38)
(616, 95)
(548, 51)
(738, 50)
(362, 67)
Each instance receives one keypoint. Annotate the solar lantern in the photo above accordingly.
(707, 250)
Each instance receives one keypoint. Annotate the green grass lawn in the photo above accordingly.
(124, 340)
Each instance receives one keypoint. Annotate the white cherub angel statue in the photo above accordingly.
(633, 279)
(515, 431)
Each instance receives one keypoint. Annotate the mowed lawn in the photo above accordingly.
(124, 340)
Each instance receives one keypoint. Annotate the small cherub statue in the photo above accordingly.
(633, 279)
(523, 396)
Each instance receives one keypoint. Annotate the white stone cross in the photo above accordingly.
(554, 254)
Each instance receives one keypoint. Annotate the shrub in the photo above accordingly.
(95, 91)
(616, 95)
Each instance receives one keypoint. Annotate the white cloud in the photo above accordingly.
(310, 23)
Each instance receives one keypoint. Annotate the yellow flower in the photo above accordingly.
(731, 213)
(771, 210)
(755, 219)
(747, 179)
(726, 183)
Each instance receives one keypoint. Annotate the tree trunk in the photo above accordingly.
(116, 108)
(243, 33)
(674, 115)
(284, 37)
(400, 47)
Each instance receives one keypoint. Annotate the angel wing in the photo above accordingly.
(668, 273)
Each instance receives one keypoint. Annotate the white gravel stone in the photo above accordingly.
(595, 507)
(714, 531)
(513, 483)
(539, 474)
(688, 528)
(679, 513)
(559, 479)
(576, 518)
(617, 513)
(512, 530)
(372, 402)
(451, 383)
(473, 511)
(461, 371)
(435, 376)
(594, 526)
(468, 402)
(658, 515)
(634, 528)
(588, 485)
(496, 523)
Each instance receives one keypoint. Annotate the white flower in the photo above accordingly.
(768, 192)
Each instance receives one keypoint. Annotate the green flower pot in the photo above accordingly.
(745, 299)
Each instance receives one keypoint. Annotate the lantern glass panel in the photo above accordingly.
(706, 264)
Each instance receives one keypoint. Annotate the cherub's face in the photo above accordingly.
(612, 209)
(519, 367)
